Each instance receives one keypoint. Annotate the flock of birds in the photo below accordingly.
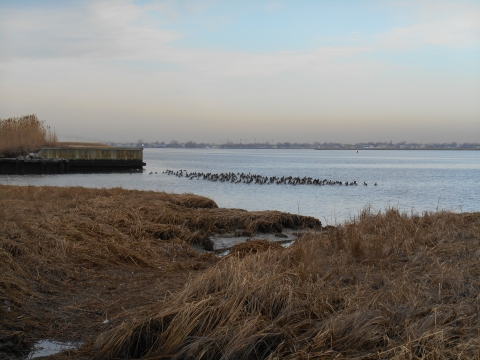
(257, 179)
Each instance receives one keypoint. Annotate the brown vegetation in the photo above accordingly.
(23, 135)
(72, 257)
(387, 286)
(383, 286)
(253, 246)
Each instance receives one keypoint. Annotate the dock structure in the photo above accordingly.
(65, 160)
(93, 153)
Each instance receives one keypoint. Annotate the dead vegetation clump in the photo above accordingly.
(384, 286)
(193, 201)
(23, 135)
(253, 246)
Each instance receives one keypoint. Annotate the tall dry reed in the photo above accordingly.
(25, 134)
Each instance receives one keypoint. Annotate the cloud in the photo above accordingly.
(250, 65)
(114, 30)
(101, 29)
(108, 30)
(454, 25)
(274, 6)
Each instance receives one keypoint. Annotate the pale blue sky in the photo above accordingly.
(345, 71)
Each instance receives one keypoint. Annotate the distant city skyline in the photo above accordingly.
(207, 71)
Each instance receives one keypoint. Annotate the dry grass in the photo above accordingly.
(23, 135)
(253, 246)
(383, 286)
(388, 286)
(69, 257)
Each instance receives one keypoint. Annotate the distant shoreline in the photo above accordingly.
(304, 145)
(306, 148)
(357, 149)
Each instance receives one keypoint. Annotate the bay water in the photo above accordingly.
(410, 180)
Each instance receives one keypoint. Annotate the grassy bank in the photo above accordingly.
(387, 286)
(23, 135)
(73, 257)
(384, 286)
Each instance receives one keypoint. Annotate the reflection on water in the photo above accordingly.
(409, 180)
(224, 241)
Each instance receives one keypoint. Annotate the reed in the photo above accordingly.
(386, 286)
(23, 135)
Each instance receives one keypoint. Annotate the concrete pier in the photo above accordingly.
(19, 166)
(75, 160)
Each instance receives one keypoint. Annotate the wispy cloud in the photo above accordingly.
(96, 30)
(274, 6)
(108, 30)
(448, 24)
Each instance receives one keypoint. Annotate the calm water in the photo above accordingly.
(409, 180)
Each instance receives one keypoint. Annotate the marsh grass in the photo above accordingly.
(253, 246)
(386, 286)
(23, 135)
(45, 232)
(72, 257)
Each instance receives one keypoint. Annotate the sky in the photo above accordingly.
(212, 71)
